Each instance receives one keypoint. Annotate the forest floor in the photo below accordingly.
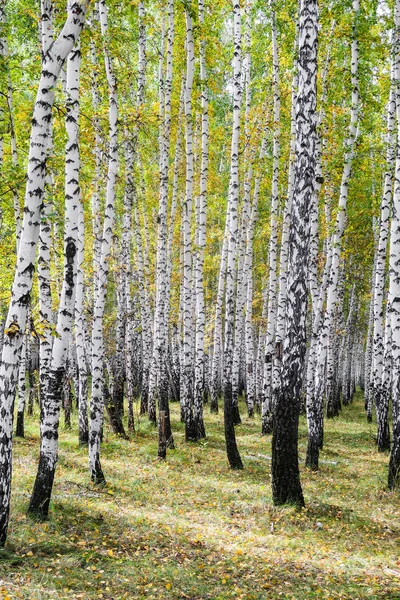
(191, 529)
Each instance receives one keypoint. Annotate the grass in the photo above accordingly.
(189, 528)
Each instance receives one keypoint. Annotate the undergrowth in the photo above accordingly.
(191, 529)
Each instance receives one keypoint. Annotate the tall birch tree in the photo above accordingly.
(286, 486)
(97, 398)
(22, 286)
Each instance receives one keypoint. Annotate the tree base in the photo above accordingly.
(312, 457)
(214, 406)
(40, 500)
(236, 415)
(20, 429)
(84, 438)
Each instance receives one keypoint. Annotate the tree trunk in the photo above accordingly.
(97, 399)
(232, 223)
(394, 276)
(381, 399)
(332, 299)
(199, 379)
(286, 486)
(22, 285)
(19, 430)
(268, 402)
(50, 414)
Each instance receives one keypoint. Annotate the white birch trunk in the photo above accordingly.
(45, 299)
(22, 285)
(199, 379)
(19, 430)
(243, 257)
(97, 400)
(286, 486)
(233, 230)
(369, 350)
(50, 409)
(158, 385)
(314, 238)
(95, 200)
(267, 402)
(332, 299)
(380, 399)
(80, 333)
(284, 253)
(316, 372)
(187, 388)
(251, 362)
(131, 150)
(161, 235)
(394, 277)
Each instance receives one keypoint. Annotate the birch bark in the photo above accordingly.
(45, 299)
(286, 486)
(332, 298)
(267, 402)
(201, 240)
(80, 333)
(232, 224)
(22, 285)
(50, 413)
(187, 388)
(97, 400)
(380, 399)
(394, 276)
(19, 430)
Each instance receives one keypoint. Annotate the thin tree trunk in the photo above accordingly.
(394, 275)
(97, 399)
(199, 378)
(187, 387)
(380, 399)
(232, 224)
(314, 392)
(369, 349)
(80, 329)
(45, 299)
(267, 402)
(19, 430)
(332, 299)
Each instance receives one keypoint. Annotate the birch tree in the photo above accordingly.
(232, 227)
(201, 239)
(286, 486)
(97, 400)
(22, 286)
(267, 404)
(51, 406)
(380, 399)
(332, 298)
(394, 275)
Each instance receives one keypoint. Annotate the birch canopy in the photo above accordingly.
(199, 232)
